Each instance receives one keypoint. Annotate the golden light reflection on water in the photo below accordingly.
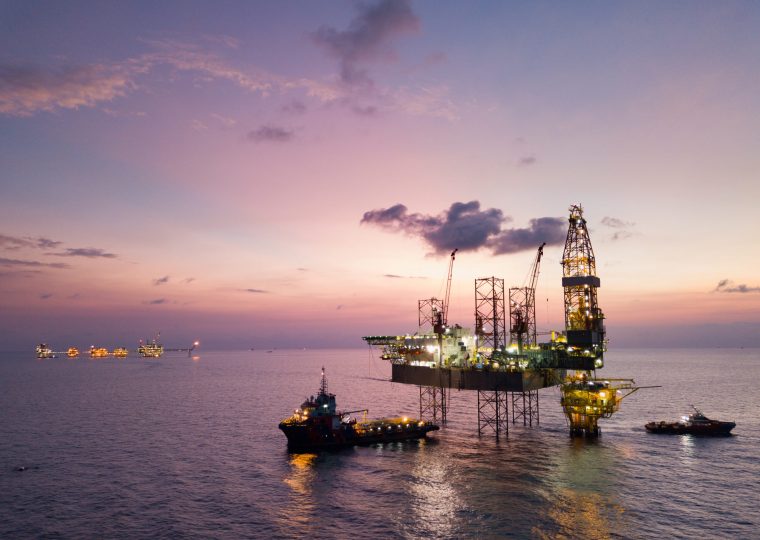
(300, 479)
(302, 473)
(582, 498)
(435, 499)
(582, 514)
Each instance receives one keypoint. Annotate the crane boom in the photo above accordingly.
(448, 288)
(536, 267)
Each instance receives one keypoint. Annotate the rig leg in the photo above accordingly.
(493, 412)
(433, 403)
(525, 406)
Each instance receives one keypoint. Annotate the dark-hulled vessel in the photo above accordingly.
(694, 424)
(317, 424)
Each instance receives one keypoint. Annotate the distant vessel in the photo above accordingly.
(694, 424)
(120, 352)
(43, 351)
(98, 352)
(73, 352)
(317, 424)
(151, 348)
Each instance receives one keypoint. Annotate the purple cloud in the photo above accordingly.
(367, 38)
(90, 253)
(270, 134)
(466, 227)
(728, 286)
(30, 264)
(18, 242)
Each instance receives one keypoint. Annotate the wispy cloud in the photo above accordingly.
(466, 227)
(8, 263)
(256, 291)
(294, 107)
(157, 301)
(227, 41)
(161, 280)
(396, 276)
(17, 242)
(368, 38)
(25, 90)
(45, 296)
(90, 253)
(270, 134)
(188, 280)
(527, 161)
(622, 227)
(728, 286)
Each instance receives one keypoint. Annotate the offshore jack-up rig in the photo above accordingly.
(508, 368)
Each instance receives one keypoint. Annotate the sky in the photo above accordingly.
(295, 173)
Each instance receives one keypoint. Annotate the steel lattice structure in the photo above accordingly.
(493, 412)
(490, 324)
(428, 310)
(522, 316)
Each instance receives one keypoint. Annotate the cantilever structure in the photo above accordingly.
(441, 357)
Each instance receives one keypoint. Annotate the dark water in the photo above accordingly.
(189, 448)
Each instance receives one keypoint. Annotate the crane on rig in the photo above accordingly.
(448, 288)
(442, 316)
(522, 307)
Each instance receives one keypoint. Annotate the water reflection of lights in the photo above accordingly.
(583, 514)
(687, 449)
(300, 513)
(436, 501)
(301, 473)
(582, 493)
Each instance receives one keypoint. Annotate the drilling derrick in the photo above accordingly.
(585, 399)
(584, 320)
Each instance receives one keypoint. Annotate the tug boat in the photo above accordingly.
(318, 425)
(694, 424)
(120, 352)
(73, 352)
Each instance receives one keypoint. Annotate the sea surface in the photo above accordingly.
(182, 447)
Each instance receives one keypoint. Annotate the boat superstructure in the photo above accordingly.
(694, 424)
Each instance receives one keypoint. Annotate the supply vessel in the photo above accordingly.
(694, 424)
(317, 424)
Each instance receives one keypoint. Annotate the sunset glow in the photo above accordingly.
(288, 174)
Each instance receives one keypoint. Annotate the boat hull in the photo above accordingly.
(317, 437)
(714, 428)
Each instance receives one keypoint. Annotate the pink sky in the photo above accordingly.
(205, 174)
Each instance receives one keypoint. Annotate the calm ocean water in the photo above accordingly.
(189, 448)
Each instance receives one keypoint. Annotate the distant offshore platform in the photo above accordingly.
(150, 348)
(508, 368)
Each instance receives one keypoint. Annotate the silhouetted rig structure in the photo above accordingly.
(508, 368)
